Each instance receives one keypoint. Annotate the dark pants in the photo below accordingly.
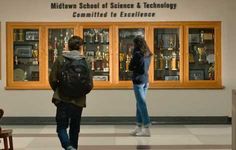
(68, 115)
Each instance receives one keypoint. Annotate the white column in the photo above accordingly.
(234, 120)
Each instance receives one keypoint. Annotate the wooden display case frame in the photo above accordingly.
(182, 83)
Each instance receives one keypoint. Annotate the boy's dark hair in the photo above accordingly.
(75, 42)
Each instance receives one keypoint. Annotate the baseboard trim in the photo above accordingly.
(120, 120)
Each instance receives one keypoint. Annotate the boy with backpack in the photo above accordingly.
(70, 79)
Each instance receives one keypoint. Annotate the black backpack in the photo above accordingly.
(75, 79)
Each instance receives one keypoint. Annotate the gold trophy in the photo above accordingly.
(15, 36)
(106, 59)
(35, 54)
(159, 62)
(173, 61)
(122, 58)
(211, 72)
(128, 59)
(106, 62)
(191, 58)
(155, 62)
(201, 53)
(98, 54)
(21, 35)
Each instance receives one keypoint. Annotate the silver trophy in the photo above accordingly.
(96, 35)
(167, 61)
(101, 37)
(106, 36)
(91, 36)
(202, 37)
(171, 43)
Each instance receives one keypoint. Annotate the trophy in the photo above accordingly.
(173, 61)
(211, 72)
(106, 37)
(106, 62)
(122, 58)
(171, 43)
(85, 36)
(35, 54)
(161, 62)
(202, 37)
(158, 62)
(16, 60)
(98, 58)
(128, 59)
(167, 60)
(61, 40)
(201, 53)
(91, 35)
(55, 51)
(21, 35)
(66, 39)
(98, 54)
(92, 64)
(96, 35)
(106, 59)
(14, 36)
(191, 58)
(101, 37)
(155, 62)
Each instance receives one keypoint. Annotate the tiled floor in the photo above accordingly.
(116, 137)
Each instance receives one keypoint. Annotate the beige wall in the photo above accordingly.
(121, 102)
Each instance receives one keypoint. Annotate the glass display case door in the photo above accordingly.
(57, 43)
(126, 46)
(203, 55)
(24, 63)
(97, 49)
(26, 54)
(167, 59)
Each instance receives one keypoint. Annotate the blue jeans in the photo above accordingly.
(142, 117)
(68, 115)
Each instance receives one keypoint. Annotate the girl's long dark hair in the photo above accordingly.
(141, 44)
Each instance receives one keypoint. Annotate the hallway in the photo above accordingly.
(116, 137)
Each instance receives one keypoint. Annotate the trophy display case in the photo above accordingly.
(126, 37)
(166, 54)
(57, 43)
(26, 55)
(201, 54)
(96, 50)
(185, 54)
